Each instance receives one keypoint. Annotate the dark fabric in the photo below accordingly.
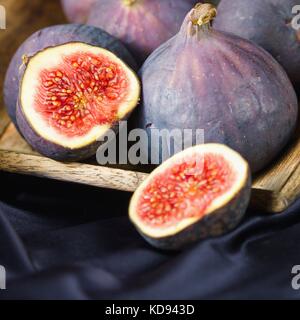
(63, 241)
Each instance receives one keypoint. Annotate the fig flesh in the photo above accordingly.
(201, 192)
(70, 95)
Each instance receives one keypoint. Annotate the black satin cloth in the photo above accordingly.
(65, 241)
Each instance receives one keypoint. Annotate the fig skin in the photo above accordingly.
(229, 87)
(54, 36)
(268, 24)
(77, 11)
(142, 25)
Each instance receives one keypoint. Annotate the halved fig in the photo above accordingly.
(200, 192)
(70, 95)
(54, 36)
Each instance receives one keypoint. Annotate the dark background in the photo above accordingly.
(67, 241)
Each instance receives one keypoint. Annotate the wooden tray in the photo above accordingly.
(273, 190)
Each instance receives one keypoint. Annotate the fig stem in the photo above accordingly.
(129, 2)
(203, 14)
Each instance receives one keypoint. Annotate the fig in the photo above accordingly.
(53, 36)
(230, 88)
(268, 23)
(142, 25)
(200, 192)
(70, 95)
(77, 11)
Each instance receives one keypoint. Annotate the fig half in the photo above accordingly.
(54, 36)
(70, 95)
(200, 192)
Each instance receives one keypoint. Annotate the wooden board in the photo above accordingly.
(273, 190)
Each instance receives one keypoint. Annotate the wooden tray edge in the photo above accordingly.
(112, 178)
